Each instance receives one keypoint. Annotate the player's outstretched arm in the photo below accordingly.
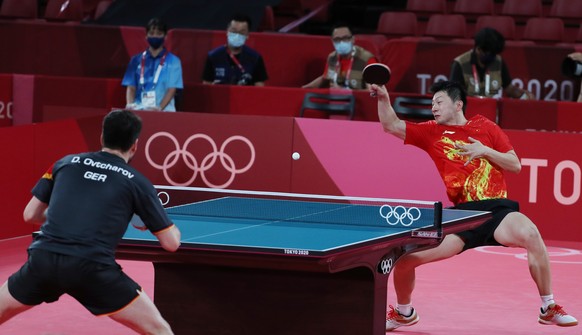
(169, 238)
(388, 118)
(35, 211)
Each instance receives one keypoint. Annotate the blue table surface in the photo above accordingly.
(284, 225)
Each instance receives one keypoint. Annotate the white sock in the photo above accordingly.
(547, 300)
(405, 310)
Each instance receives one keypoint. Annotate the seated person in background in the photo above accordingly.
(345, 65)
(235, 63)
(153, 76)
(482, 71)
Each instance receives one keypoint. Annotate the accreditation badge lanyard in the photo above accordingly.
(236, 62)
(158, 70)
(487, 80)
(338, 69)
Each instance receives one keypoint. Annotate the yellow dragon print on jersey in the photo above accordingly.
(479, 180)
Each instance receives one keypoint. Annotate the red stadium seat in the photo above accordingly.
(443, 26)
(566, 9)
(371, 42)
(427, 7)
(424, 9)
(503, 24)
(522, 10)
(474, 7)
(25, 9)
(64, 10)
(544, 30)
(472, 10)
(397, 24)
(570, 11)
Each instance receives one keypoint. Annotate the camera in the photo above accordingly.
(571, 68)
(245, 80)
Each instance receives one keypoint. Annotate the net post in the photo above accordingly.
(438, 218)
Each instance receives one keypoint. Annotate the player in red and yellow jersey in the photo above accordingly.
(471, 157)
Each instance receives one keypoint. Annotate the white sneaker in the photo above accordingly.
(555, 315)
(394, 319)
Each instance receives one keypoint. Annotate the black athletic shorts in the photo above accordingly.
(102, 288)
(483, 235)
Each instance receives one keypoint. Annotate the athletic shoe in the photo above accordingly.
(394, 319)
(555, 315)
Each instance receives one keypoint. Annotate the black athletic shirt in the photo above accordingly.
(91, 198)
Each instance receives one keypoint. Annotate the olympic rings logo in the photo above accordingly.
(385, 265)
(399, 215)
(164, 197)
(216, 156)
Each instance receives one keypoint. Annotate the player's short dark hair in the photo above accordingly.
(490, 40)
(241, 18)
(158, 24)
(121, 128)
(453, 89)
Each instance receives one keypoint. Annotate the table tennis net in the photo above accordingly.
(348, 211)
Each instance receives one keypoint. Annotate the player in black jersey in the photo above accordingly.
(85, 202)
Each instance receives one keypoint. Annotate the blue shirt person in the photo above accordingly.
(153, 76)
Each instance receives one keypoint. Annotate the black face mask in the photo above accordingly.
(156, 42)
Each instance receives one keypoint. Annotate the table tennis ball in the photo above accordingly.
(296, 156)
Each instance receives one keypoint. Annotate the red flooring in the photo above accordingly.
(485, 291)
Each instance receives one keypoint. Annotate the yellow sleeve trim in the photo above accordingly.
(163, 230)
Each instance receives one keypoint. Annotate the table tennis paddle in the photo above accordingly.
(376, 73)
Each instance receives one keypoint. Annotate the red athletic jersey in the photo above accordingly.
(480, 179)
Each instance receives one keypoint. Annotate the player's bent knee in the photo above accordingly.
(517, 230)
(532, 233)
(533, 239)
(529, 234)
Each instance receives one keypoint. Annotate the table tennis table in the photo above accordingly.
(268, 266)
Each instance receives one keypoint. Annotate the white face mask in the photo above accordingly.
(235, 40)
(343, 48)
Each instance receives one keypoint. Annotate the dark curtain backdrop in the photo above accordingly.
(197, 14)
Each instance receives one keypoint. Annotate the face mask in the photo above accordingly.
(236, 40)
(156, 42)
(343, 48)
(487, 58)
